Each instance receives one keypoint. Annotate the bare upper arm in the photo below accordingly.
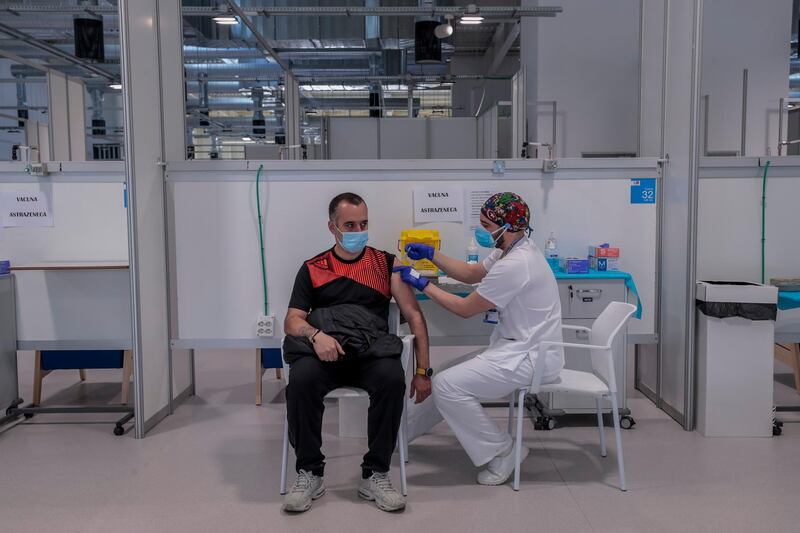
(403, 294)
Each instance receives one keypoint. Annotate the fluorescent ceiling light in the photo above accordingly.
(246, 139)
(471, 19)
(229, 20)
(115, 86)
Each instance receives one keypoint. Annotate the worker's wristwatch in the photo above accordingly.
(427, 372)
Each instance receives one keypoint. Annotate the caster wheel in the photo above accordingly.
(626, 422)
(776, 430)
(544, 423)
(28, 415)
(778, 423)
(119, 430)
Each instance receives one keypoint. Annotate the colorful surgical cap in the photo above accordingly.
(507, 208)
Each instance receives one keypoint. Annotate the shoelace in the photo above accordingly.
(383, 482)
(302, 482)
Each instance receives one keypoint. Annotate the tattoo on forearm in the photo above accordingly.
(307, 331)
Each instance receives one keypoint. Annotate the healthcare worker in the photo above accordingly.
(517, 292)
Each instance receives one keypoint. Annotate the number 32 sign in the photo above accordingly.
(643, 191)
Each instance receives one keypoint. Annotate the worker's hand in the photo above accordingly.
(412, 277)
(327, 348)
(421, 388)
(417, 251)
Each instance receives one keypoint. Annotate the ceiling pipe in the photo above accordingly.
(56, 52)
(245, 19)
(285, 11)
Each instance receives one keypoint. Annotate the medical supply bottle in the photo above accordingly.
(472, 252)
(551, 250)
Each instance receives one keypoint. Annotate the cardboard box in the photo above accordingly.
(599, 251)
(574, 265)
(604, 264)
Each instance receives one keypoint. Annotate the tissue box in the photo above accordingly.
(603, 264)
(598, 251)
(574, 265)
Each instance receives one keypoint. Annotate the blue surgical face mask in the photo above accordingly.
(486, 239)
(353, 241)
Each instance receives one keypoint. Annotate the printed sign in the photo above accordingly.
(643, 191)
(438, 204)
(26, 210)
(475, 198)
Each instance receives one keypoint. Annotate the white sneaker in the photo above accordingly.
(378, 488)
(501, 467)
(307, 488)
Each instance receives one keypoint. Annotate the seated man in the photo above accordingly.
(337, 327)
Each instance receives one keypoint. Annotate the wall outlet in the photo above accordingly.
(265, 326)
(38, 169)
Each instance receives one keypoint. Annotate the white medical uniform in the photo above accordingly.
(522, 287)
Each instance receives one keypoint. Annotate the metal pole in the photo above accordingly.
(706, 99)
(410, 99)
(689, 348)
(133, 241)
(553, 143)
(745, 72)
(781, 104)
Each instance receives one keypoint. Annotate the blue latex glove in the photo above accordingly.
(406, 275)
(417, 251)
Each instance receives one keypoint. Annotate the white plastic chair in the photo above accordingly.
(600, 383)
(350, 392)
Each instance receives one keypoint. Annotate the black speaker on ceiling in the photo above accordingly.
(259, 126)
(89, 38)
(375, 104)
(427, 47)
(98, 126)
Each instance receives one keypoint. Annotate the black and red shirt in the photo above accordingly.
(327, 280)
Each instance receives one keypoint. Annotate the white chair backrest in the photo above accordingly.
(605, 329)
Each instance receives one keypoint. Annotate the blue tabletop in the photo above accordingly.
(788, 300)
(592, 275)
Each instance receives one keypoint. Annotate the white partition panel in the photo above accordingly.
(403, 138)
(729, 219)
(90, 229)
(219, 280)
(354, 138)
(89, 224)
(58, 106)
(453, 138)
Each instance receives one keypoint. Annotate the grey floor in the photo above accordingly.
(213, 466)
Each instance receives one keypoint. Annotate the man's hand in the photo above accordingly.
(417, 251)
(420, 387)
(412, 277)
(327, 348)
